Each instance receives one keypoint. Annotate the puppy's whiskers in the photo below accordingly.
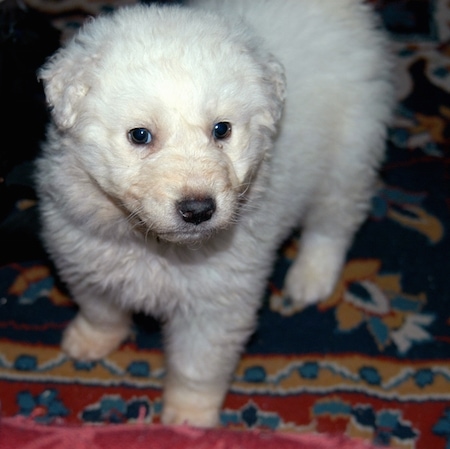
(134, 220)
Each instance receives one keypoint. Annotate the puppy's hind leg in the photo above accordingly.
(316, 269)
(96, 331)
(338, 209)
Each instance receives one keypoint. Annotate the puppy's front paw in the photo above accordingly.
(194, 408)
(173, 414)
(315, 272)
(82, 341)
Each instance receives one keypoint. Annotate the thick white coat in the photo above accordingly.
(305, 86)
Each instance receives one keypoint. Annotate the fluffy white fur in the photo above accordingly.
(305, 87)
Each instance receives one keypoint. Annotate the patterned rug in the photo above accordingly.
(372, 361)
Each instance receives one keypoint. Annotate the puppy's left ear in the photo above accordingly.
(276, 81)
(66, 83)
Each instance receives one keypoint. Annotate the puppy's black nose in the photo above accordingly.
(196, 211)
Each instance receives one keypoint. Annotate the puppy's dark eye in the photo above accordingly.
(140, 136)
(221, 130)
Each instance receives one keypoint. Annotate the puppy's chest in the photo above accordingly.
(149, 278)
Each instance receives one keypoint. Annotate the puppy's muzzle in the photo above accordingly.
(196, 211)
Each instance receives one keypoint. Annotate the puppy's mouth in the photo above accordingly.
(185, 237)
(191, 221)
(191, 233)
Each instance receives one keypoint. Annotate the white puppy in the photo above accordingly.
(185, 146)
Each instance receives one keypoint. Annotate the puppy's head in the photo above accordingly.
(170, 112)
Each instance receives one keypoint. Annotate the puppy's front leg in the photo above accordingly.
(202, 350)
(96, 331)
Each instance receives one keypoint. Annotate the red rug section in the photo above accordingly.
(20, 433)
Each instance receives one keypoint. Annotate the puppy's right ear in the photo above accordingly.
(66, 83)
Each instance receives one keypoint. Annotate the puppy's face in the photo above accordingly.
(174, 135)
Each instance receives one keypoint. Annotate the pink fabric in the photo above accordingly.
(21, 433)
